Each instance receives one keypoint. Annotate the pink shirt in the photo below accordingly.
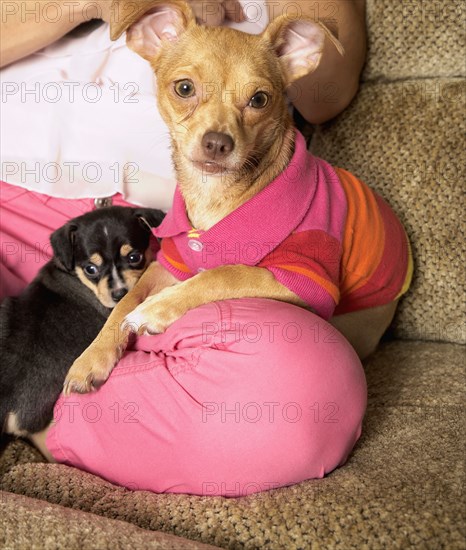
(252, 233)
(301, 227)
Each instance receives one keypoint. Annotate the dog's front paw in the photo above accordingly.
(156, 313)
(90, 370)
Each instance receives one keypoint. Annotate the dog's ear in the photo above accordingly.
(62, 241)
(152, 24)
(149, 217)
(299, 44)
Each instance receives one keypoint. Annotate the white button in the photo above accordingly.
(197, 246)
(200, 269)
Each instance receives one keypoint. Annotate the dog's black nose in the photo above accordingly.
(117, 295)
(217, 145)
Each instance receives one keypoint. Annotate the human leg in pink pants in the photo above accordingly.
(235, 397)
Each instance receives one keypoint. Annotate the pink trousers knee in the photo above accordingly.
(236, 397)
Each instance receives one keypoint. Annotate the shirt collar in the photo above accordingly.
(176, 221)
(268, 217)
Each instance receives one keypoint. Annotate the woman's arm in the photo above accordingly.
(323, 94)
(28, 25)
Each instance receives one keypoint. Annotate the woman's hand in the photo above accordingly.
(214, 12)
(208, 12)
(27, 25)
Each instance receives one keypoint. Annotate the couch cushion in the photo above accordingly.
(415, 38)
(403, 485)
(31, 523)
(406, 140)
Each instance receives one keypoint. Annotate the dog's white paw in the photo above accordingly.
(155, 314)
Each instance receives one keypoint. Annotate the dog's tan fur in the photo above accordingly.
(263, 145)
(96, 259)
(125, 249)
(101, 289)
(131, 277)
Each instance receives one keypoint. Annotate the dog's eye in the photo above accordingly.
(91, 270)
(135, 258)
(184, 88)
(259, 100)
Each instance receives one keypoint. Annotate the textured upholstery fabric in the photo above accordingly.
(32, 523)
(415, 39)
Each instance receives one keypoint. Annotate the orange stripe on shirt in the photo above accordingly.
(324, 283)
(311, 253)
(172, 255)
(364, 234)
(181, 267)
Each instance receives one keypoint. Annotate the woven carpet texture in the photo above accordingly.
(412, 39)
(402, 487)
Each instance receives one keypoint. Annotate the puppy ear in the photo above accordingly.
(152, 25)
(149, 217)
(62, 241)
(299, 44)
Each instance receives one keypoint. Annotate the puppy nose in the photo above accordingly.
(118, 294)
(217, 145)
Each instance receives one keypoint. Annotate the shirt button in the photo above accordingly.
(200, 269)
(197, 246)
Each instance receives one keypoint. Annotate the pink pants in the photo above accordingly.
(236, 397)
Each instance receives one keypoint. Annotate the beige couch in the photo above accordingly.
(403, 485)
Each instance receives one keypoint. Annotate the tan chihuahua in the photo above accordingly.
(222, 94)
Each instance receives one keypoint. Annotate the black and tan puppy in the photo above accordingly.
(98, 258)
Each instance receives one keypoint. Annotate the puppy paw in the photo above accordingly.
(90, 370)
(156, 313)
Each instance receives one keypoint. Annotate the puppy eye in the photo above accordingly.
(91, 270)
(185, 88)
(259, 100)
(134, 258)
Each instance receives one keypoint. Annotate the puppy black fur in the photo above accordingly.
(57, 316)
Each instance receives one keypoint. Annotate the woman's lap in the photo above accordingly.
(236, 397)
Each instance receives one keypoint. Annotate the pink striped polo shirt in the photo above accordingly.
(322, 233)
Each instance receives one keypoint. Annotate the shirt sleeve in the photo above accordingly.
(171, 259)
(308, 264)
